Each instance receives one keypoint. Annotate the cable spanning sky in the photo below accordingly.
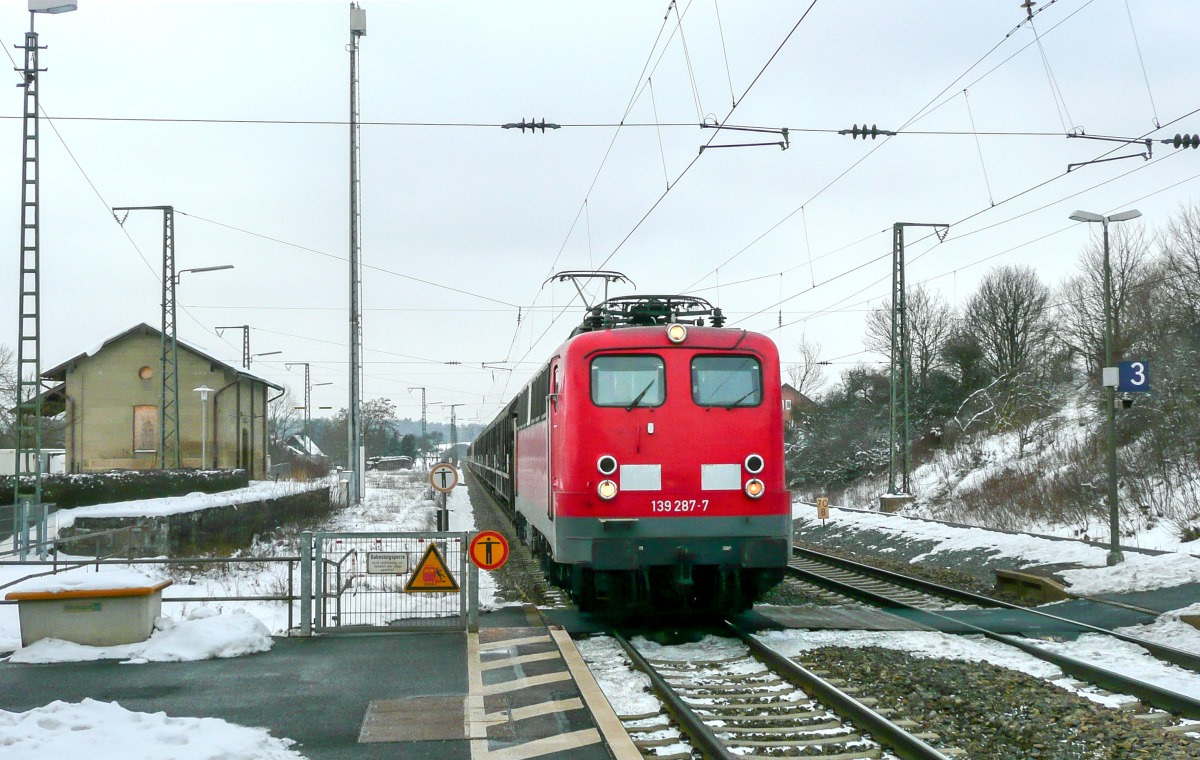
(235, 114)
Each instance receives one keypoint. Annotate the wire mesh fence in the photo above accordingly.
(409, 581)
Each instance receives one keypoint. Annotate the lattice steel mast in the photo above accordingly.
(358, 28)
(29, 350)
(901, 371)
(168, 409)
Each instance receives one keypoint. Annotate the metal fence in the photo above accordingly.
(353, 582)
(389, 581)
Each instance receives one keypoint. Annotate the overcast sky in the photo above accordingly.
(150, 103)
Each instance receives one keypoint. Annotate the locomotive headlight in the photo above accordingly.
(607, 490)
(754, 488)
(676, 333)
(606, 464)
(754, 464)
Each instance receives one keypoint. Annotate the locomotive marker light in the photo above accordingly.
(676, 333)
(488, 550)
(607, 490)
(606, 464)
(754, 464)
(755, 488)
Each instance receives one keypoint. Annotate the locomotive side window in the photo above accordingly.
(727, 381)
(628, 381)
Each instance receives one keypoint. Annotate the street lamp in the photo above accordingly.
(201, 269)
(1114, 534)
(264, 353)
(29, 339)
(203, 390)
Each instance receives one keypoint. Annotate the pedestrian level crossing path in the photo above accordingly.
(532, 696)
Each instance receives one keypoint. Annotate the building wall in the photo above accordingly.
(104, 389)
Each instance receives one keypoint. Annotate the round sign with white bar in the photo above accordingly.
(443, 477)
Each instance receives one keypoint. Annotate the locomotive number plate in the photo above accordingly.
(679, 505)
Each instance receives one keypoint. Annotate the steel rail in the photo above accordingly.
(1182, 658)
(882, 730)
(1149, 693)
(1006, 531)
(702, 736)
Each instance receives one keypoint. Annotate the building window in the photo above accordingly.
(145, 428)
(787, 404)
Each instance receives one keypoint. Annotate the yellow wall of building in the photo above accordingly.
(104, 389)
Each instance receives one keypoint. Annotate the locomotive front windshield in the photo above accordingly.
(628, 381)
(727, 381)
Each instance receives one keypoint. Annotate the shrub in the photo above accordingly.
(83, 489)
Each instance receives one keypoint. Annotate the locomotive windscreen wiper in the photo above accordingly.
(749, 393)
(638, 398)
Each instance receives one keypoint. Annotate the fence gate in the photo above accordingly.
(387, 582)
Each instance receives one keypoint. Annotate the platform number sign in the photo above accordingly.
(1133, 377)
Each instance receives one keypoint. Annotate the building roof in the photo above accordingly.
(59, 373)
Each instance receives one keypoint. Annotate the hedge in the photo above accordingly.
(84, 489)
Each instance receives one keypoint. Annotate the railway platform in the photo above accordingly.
(517, 689)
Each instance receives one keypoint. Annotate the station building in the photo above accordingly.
(111, 395)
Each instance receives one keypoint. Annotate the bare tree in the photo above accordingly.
(1080, 313)
(930, 324)
(282, 418)
(1180, 245)
(807, 376)
(8, 395)
(1010, 317)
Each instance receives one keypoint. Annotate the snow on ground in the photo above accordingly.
(107, 731)
(1139, 572)
(258, 490)
(1100, 650)
(205, 634)
(194, 630)
(1169, 630)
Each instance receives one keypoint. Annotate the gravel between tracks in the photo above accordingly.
(995, 712)
(520, 579)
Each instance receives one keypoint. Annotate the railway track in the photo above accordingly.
(759, 704)
(866, 584)
(521, 578)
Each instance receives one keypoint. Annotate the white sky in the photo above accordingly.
(493, 212)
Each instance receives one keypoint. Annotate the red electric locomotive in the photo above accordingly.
(644, 463)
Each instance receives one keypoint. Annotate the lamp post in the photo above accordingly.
(29, 340)
(264, 353)
(203, 390)
(219, 267)
(1114, 533)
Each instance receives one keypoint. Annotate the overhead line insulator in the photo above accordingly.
(531, 125)
(872, 132)
(1183, 141)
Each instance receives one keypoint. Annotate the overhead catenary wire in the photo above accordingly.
(921, 113)
(991, 207)
(685, 170)
(1142, 61)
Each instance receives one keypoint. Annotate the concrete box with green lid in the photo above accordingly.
(95, 617)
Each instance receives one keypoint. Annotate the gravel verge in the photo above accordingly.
(994, 712)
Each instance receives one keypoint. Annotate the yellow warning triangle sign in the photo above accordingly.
(431, 573)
